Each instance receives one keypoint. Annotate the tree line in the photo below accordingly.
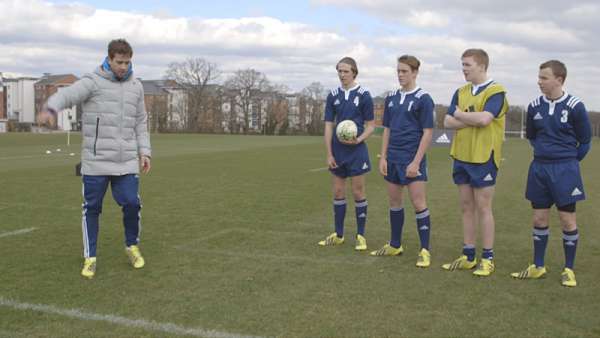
(247, 102)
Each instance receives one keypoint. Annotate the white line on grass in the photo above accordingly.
(354, 260)
(207, 238)
(118, 320)
(193, 247)
(17, 232)
(318, 169)
(65, 154)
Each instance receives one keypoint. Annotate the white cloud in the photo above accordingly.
(425, 19)
(73, 38)
(38, 37)
(518, 35)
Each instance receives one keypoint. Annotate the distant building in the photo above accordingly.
(50, 84)
(19, 99)
(3, 121)
(378, 107)
(166, 104)
(3, 115)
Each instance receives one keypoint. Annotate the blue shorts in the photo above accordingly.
(477, 175)
(396, 173)
(557, 183)
(356, 164)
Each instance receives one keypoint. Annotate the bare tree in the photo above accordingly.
(247, 85)
(194, 74)
(159, 115)
(315, 94)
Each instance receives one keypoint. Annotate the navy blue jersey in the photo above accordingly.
(406, 114)
(493, 105)
(354, 104)
(556, 128)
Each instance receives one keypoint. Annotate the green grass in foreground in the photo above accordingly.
(230, 226)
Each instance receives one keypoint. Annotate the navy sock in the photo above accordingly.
(570, 239)
(361, 216)
(469, 251)
(540, 241)
(396, 222)
(487, 253)
(424, 227)
(339, 212)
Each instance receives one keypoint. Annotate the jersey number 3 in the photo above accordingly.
(564, 116)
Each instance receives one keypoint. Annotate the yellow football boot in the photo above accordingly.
(89, 267)
(485, 268)
(135, 256)
(568, 278)
(532, 272)
(332, 240)
(461, 263)
(361, 243)
(387, 250)
(424, 258)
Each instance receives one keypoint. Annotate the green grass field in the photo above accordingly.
(230, 226)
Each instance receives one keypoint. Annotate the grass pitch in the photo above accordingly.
(230, 226)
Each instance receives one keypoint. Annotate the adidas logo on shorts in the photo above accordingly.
(576, 192)
(443, 139)
(365, 166)
(488, 178)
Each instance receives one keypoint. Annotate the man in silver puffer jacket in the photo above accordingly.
(115, 144)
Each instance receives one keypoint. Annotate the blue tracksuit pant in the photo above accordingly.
(125, 192)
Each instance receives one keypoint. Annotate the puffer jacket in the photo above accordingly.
(114, 122)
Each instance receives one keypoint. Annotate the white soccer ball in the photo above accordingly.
(346, 130)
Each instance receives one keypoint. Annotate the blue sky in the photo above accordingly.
(298, 42)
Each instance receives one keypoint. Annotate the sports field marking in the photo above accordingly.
(359, 258)
(65, 154)
(318, 169)
(208, 237)
(356, 259)
(4, 333)
(20, 157)
(17, 232)
(148, 325)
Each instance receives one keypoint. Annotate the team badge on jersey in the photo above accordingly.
(356, 101)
